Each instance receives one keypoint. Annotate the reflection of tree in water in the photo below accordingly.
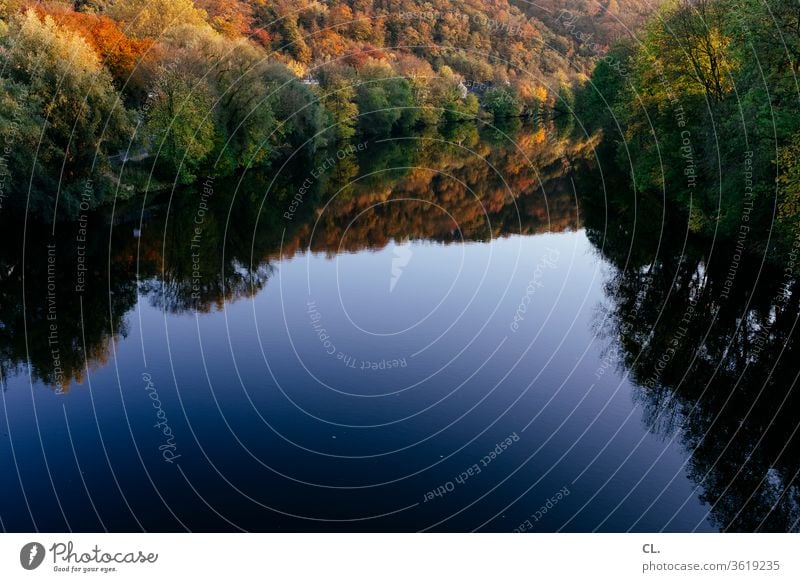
(60, 334)
(429, 188)
(718, 371)
(183, 260)
(233, 261)
(191, 270)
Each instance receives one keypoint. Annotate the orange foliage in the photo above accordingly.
(330, 45)
(261, 36)
(229, 17)
(121, 54)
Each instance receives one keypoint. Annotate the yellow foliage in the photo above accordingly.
(156, 18)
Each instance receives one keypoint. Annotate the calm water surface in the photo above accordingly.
(441, 338)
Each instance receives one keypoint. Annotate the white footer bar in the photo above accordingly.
(400, 557)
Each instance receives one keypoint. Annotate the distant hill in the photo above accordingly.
(532, 45)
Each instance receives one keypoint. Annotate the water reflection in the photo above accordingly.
(712, 360)
(214, 244)
(708, 335)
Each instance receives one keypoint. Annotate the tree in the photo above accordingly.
(243, 111)
(789, 182)
(338, 98)
(120, 55)
(293, 41)
(296, 108)
(180, 123)
(231, 18)
(156, 18)
(59, 92)
(501, 102)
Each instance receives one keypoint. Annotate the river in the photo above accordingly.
(475, 331)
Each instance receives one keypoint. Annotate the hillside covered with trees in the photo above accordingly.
(104, 99)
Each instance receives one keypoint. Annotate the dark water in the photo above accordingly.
(445, 333)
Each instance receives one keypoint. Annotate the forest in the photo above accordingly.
(103, 100)
(107, 100)
(702, 111)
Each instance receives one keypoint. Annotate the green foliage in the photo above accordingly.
(61, 113)
(293, 41)
(376, 114)
(180, 124)
(701, 107)
(789, 182)
(594, 103)
(296, 108)
(385, 101)
(338, 99)
(243, 112)
(501, 102)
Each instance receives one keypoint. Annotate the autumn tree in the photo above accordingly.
(156, 18)
(120, 54)
(63, 116)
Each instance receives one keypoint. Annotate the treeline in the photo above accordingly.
(704, 109)
(104, 99)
